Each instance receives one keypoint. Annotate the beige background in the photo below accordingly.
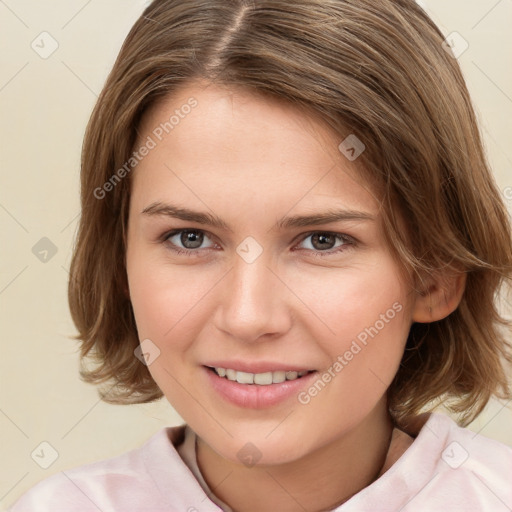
(45, 106)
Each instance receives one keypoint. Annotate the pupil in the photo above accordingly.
(191, 239)
(323, 238)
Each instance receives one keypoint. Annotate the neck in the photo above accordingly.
(321, 480)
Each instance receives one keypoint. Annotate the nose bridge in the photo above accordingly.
(251, 304)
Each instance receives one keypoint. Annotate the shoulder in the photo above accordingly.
(445, 467)
(118, 483)
(468, 450)
(462, 470)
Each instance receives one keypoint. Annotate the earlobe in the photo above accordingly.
(440, 299)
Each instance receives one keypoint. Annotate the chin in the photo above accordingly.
(261, 448)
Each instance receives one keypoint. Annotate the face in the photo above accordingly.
(255, 246)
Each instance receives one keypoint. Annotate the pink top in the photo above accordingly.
(446, 468)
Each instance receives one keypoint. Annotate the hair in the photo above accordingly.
(374, 69)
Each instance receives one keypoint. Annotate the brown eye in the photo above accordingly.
(326, 242)
(191, 239)
(323, 241)
(182, 240)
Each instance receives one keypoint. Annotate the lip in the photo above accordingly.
(257, 367)
(253, 396)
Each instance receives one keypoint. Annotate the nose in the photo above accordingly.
(253, 303)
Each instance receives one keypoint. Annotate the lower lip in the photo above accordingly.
(254, 396)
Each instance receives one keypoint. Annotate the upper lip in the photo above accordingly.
(258, 367)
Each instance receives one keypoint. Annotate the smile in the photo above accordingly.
(260, 379)
(257, 390)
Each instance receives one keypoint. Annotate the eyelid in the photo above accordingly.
(337, 234)
(349, 241)
(173, 232)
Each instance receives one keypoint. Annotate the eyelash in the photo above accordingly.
(348, 242)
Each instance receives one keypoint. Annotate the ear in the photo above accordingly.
(439, 297)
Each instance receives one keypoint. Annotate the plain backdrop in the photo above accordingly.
(45, 103)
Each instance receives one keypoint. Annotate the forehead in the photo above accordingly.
(238, 145)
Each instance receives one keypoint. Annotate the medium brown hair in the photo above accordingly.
(374, 69)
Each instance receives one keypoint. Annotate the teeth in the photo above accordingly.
(278, 377)
(245, 378)
(262, 379)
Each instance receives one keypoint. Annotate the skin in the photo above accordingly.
(252, 161)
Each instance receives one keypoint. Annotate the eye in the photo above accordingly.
(186, 240)
(189, 242)
(328, 243)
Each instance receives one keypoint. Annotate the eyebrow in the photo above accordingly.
(169, 210)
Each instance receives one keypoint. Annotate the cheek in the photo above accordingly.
(347, 300)
(361, 318)
(165, 298)
(164, 301)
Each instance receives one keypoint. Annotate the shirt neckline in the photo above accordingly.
(413, 458)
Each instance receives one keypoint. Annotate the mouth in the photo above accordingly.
(257, 390)
(259, 379)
